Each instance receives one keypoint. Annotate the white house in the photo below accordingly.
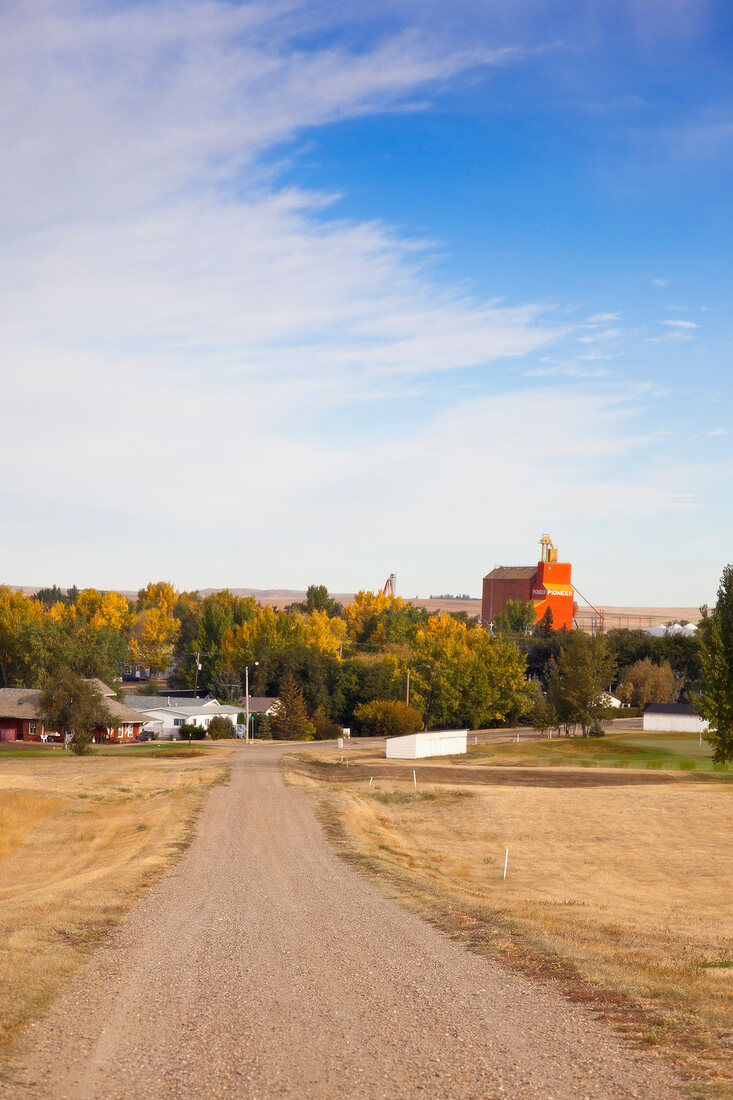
(414, 746)
(166, 715)
(673, 718)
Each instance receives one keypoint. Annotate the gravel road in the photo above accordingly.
(263, 966)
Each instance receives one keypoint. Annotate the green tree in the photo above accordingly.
(517, 617)
(542, 715)
(386, 718)
(318, 599)
(715, 699)
(74, 708)
(290, 721)
(577, 683)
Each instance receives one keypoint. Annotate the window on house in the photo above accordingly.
(177, 721)
(32, 726)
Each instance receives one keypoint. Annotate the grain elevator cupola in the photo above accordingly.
(546, 585)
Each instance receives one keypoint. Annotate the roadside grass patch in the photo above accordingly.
(615, 750)
(619, 893)
(73, 861)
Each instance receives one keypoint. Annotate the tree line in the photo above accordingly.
(341, 666)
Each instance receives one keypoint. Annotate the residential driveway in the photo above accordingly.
(264, 966)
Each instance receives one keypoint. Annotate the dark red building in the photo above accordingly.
(544, 585)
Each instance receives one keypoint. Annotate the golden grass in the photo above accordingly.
(80, 838)
(623, 892)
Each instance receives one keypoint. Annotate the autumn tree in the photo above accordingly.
(22, 639)
(646, 682)
(290, 721)
(74, 708)
(463, 676)
(715, 699)
(160, 594)
(152, 637)
(375, 619)
(386, 718)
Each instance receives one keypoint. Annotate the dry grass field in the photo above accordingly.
(618, 883)
(80, 838)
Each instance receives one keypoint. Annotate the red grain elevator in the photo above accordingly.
(544, 585)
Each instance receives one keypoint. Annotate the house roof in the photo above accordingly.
(212, 708)
(26, 703)
(19, 702)
(101, 687)
(669, 708)
(512, 573)
(260, 704)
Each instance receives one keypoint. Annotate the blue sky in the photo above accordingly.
(297, 294)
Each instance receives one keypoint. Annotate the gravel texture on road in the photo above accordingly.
(264, 966)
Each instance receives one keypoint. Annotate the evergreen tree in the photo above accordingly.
(290, 720)
(715, 701)
(545, 628)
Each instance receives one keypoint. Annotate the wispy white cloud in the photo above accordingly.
(717, 431)
(680, 324)
(180, 321)
(596, 337)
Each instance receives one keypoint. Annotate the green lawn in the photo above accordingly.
(615, 750)
(147, 748)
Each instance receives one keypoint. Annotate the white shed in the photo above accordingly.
(413, 746)
(673, 718)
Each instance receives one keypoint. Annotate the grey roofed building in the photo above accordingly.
(166, 715)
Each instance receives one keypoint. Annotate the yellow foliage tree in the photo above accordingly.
(471, 678)
(269, 629)
(103, 609)
(377, 619)
(161, 594)
(21, 636)
(152, 637)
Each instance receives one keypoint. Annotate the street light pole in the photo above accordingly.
(246, 702)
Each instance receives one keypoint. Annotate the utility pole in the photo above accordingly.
(246, 702)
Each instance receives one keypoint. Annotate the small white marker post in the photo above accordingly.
(414, 777)
(371, 780)
(517, 735)
(506, 860)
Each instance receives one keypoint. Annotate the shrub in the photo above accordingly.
(595, 729)
(221, 727)
(191, 732)
(325, 728)
(385, 718)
